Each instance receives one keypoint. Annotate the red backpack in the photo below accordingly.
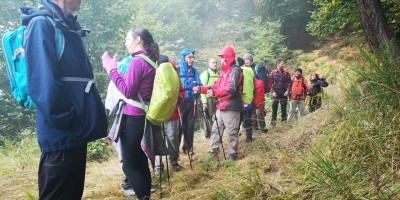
(259, 98)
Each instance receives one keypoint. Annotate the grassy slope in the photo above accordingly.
(266, 168)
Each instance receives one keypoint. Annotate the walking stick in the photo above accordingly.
(220, 136)
(219, 133)
(166, 156)
(180, 134)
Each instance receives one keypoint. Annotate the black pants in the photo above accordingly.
(187, 124)
(275, 104)
(134, 164)
(315, 103)
(245, 118)
(62, 174)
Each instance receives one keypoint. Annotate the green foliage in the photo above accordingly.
(19, 156)
(99, 150)
(361, 159)
(335, 17)
(331, 17)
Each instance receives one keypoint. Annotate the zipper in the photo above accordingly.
(8, 64)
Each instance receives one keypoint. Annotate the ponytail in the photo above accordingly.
(148, 42)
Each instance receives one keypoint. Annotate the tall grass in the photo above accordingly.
(362, 158)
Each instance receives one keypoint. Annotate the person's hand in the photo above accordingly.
(204, 106)
(196, 89)
(210, 93)
(286, 93)
(274, 94)
(108, 62)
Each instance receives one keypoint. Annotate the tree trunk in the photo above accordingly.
(374, 24)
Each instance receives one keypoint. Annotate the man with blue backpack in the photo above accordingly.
(260, 73)
(60, 83)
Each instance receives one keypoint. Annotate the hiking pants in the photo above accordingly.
(227, 121)
(258, 119)
(211, 107)
(173, 141)
(62, 174)
(187, 124)
(246, 119)
(315, 103)
(275, 104)
(134, 164)
(300, 104)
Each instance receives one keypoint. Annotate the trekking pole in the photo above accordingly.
(180, 133)
(205, 112)
(166, 156)
(220, 136)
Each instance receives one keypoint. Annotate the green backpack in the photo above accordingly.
(165, 92)
(248, 85)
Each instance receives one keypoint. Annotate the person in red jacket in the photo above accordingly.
(298, 95)
(227, 90)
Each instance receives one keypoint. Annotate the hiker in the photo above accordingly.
(247, 96)
(138, 79)
(316, 91)
(280, 86)
(208, 77)
(173, 135)
(188, 74)
(227, 89)
(298, 93)
(67, 116)
(258, 115)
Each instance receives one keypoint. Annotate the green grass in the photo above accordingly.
(361, 159)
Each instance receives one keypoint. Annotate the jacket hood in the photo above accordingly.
(184, 53)
(48, 8)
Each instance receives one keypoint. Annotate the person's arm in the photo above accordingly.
(203, 79)
(323, 82)
(43, 83)
(128, 85)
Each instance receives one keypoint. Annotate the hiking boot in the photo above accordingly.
(158, 171)
(176, 167)
(231, 157)
(264, 130)
(127, 190)
(214, 155)
(273, 123)
(191, 152)
(249, 140)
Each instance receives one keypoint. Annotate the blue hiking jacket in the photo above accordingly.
(188, 75)
(66, 116)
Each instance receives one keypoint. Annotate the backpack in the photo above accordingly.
(14, 60)
(248, 85)
(299, 91)
(262, 74)
(165, 92)
(259, 95)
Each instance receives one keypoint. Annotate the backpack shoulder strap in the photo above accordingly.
(60, 40)
(148, 60)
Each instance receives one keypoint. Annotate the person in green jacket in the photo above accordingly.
(208, 77)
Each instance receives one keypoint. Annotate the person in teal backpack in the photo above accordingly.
(189, 77)
(208, 77)
(69, 112)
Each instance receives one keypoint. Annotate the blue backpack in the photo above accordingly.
(14, 60)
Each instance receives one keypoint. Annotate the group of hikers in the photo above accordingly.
(70, 112)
